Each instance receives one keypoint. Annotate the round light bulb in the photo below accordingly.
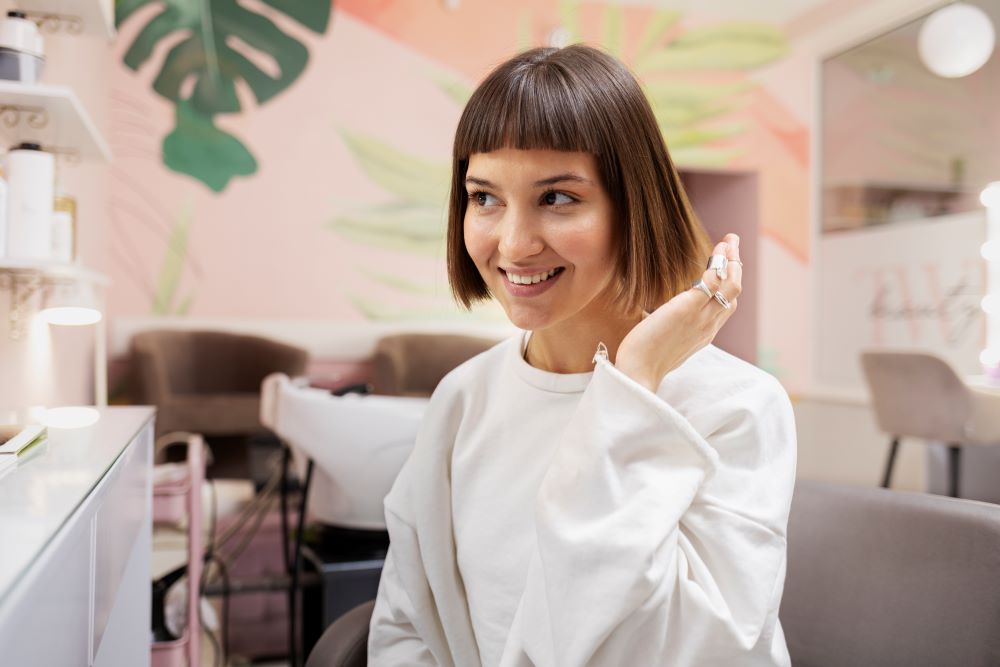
(990, 195)
(956, 40)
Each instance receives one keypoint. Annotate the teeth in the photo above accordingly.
(530, 280)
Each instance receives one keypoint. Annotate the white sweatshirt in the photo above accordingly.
(546, 519)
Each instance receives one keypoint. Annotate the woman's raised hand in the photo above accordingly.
(683, 325)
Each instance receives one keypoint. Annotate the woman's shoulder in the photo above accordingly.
(720, 386)
(419, 482)
(474, 372)
(720, 373)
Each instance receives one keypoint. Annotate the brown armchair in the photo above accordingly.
(208, 382)
(413, 364)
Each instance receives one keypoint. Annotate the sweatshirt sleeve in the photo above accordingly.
(392, 637)
(420, 616)
(661, 537)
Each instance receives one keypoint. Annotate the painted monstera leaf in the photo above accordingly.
(224, 43)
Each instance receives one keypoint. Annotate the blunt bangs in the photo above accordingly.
(531, 103)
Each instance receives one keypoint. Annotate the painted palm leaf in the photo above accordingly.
(409, 178)
(168, 284)
(733, 46)
(411, 228)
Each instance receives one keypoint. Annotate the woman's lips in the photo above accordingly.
(519, 290)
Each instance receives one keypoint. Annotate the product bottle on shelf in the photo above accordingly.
(64, 243)
(30, 186)
(3, 215)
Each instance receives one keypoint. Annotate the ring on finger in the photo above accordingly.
(723, 301)
(700, 285)
(718, 263)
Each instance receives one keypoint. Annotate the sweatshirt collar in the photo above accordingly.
(560, 383)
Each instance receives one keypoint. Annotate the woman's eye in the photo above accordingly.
(553, 198)
(483, 199)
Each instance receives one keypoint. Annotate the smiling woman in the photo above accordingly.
(609, 488)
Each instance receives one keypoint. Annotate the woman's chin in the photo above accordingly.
(527, 318)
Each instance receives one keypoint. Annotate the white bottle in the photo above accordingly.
(30, 186)
(3, 216)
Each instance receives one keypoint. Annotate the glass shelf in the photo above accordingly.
(51, 116)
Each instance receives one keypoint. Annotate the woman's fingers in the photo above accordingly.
(733, 284)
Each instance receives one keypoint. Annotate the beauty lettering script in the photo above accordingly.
(915, 305)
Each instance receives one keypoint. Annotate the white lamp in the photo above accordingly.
(70, 305)
(956, 40)
(990, 357)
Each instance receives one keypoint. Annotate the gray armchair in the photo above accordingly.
(875, 578)
(880, 578)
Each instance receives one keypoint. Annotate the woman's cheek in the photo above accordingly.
(477, 240)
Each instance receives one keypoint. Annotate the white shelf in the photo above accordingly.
(53, 270)
(66, 124)
(96, 16)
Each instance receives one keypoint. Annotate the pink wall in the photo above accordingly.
(380, 87)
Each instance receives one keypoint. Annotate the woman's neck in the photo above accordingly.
(569, 347)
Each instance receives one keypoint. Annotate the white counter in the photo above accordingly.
(75, 543)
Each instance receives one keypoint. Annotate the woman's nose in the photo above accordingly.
(519, 237)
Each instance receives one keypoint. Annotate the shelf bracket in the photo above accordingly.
(35, 117)
(51, 22)
(23, 286)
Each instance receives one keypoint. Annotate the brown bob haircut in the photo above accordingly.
(581, 99)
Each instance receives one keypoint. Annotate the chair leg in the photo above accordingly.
(295, 632)
(954, 464)
(890, 462)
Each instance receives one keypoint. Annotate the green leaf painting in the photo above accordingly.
(199, 148)
(409, 178)
(735, 46)
(172, 269)
(224, 43)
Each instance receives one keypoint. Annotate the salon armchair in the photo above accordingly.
(208, 382)
(413, 364)
(876, 578)
(918, 395)
(880, 578)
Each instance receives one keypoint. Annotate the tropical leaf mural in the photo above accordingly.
(165, 298)
(695, 81)
(225, 43)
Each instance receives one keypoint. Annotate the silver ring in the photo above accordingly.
(718, 262)
(723, 301)
(703, 287)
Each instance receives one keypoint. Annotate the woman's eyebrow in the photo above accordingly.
(569, 176)
(551, 180)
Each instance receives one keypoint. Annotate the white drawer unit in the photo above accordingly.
(75, 536)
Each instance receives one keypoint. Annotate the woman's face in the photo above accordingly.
(539, 227)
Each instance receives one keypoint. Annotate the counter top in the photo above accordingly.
(49, 482)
